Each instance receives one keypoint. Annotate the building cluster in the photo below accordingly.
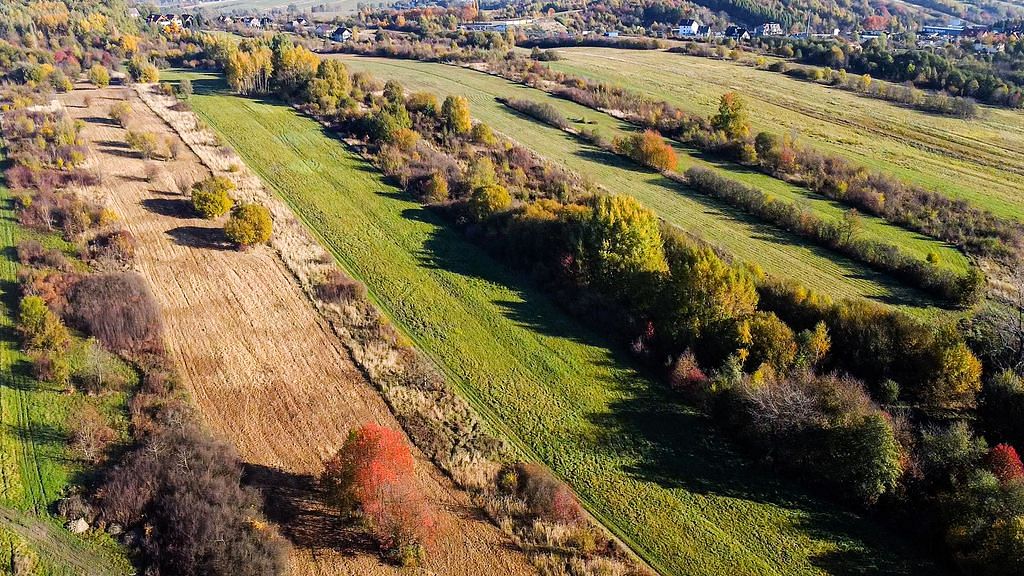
(171, 20)
(691, 28)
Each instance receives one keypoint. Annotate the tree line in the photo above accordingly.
(649, 149)
(838, 375)
(974, 230)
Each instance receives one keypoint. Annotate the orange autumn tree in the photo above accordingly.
(372, 475)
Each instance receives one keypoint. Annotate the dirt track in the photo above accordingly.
(263, 368)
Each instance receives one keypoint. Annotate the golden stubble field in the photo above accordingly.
(261, 365)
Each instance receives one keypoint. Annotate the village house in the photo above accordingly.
(341, 34)
(688, 27)
(737, 32)
(993, 48)
(769, 29)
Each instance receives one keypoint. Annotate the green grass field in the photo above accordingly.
(652, 470)
(978, 160)
(35, 464)
(778, 252)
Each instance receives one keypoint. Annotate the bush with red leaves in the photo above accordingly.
(1004, 462)
(338, 288)
(547, 497)
(373, 472)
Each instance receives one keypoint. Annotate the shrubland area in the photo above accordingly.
(581, 339)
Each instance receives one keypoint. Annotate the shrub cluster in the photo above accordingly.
(962, 290)
(210, 196)
(183, 491)
(542, 111)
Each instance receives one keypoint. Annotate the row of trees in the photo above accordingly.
(974, 230)
(769, 345)
(650, 149)
(988, 82)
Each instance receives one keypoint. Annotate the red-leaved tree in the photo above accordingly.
(1004, 462)
(373, 473)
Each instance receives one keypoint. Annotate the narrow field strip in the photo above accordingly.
(978, 160)
(266, 372)
(655, 472)
(778, 252)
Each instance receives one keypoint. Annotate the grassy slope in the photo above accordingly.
(979, 160)
(653, 471)
(778, 252)
(35, 467)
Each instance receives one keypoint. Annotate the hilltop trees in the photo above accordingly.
(330, 89)
(731, 117)
(249, 68)
(620, 240)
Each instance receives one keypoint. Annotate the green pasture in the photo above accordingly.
(654, 471)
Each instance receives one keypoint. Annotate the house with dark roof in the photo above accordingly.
(737, 32)
(341, 34)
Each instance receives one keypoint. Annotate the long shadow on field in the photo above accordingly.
(171, 207)
(295, 503)
(446, 249)
(677, 448)
(100, 120)
(680, 450)
(200, 237)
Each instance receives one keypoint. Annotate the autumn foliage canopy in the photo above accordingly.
(1004, 462)
(373, 474)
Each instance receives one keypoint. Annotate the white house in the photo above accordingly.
(612, 34)
(768, 29)
(688, 27)
(342, 34)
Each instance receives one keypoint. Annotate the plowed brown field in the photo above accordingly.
(263, 368)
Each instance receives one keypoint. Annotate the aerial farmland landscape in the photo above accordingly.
(605, 288)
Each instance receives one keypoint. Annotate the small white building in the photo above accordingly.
(688, 27)
(769, 29)
(342, 34)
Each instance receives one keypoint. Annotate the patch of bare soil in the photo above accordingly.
(262, 366)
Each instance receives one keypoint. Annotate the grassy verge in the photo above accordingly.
(778, 252)
(978, 160)
(653, 471)
(36, 466)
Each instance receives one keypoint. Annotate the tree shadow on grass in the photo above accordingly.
(295, 502)
(39, 433)
(678, 448)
